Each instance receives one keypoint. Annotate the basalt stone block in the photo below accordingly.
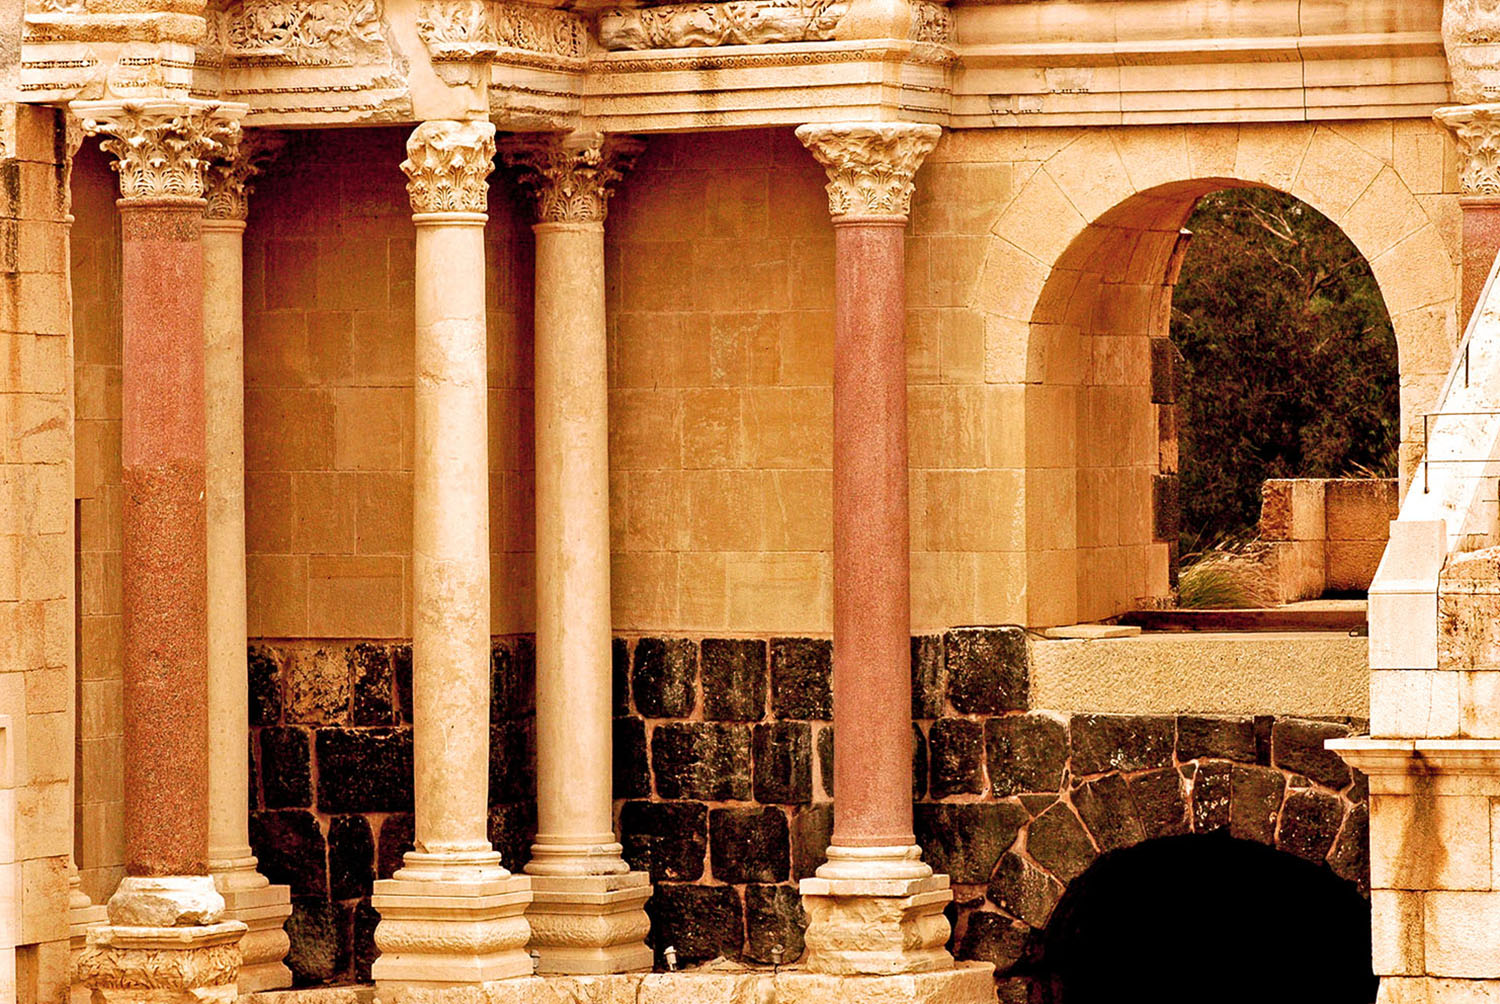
(365, 953)
(511, 828)
(1023, 890)
(993, 938)
(929, 677)
(1026, 753)
(317, 686)
(1212, 796)
(1264, 725)
(351, 857)
(1164, 370)
(1106, 808)
(1297, 746)
(734, 679)
(1058, 842)
(667, 839)
(957, 752)
(1310, 822)
(773, 917)
(1166, 506)
(513, 761)
(918, 762)
(1120, 742)
(512, 679)
(632, 775)
(964, 839)
(291, 850)
(802, 678)
(397, 836)
(319, 951)
(1218, 738)
(783, 763)
(1159, 802)
(749, 845)
(664, 677)
(812, 830)
(1350, 857)
(988, 670)
(701, 921)
(285, 768)
(1255, 795)
(825, 758)
(401, 670)
(706, 760)
(364, 770)
(372, 682)
(619, 664)
(265, 686)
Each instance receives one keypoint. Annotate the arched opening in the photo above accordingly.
(1207, 917)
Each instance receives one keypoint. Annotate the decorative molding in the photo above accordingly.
(227, 184)
(1471, 37)
(161, 963)
(456, 30)
(1477, 130)
(737, 22)
(162, 149)
(319, 33)
(870, 166)
(447, 164)
(572, 176)
(540, 29)
(931, 23)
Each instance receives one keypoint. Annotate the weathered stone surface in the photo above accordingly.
(1107, 810)
(734, 679)
(619, 664)
(990, 937)
(918, 762)
(707, 760)
(397, 836)
(317, 686)
(988, 670)
(265, 686)
(802, 678)
(1264, 724)
(1255, 795)
(1166, 506)
(512, 679)
(291, 850)
(957, 753)
(1297, 746)
(663, 677)
(1350, 857)
(632, 775)
(749, 845)
(401, 669)
(1159, 802)
(773, 916)
(512, 760)
(371, 680)
(701, 922)
(512, 830)
(1310, 821)
(351, 857)
(1058, 842)
(812, 829)
(669, 840)
(1211, 796)
(365, 952)
(964, 839)
(929, 676)
(364, 770)
(1120, 742)
(285, 768)
(319, 951)
(1164, 370)
(1023, 890)
(1037, 803)
(1218, 738)
(783, 763)
(825, 758)
(1026, 753)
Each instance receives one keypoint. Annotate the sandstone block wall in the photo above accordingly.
(1326, 535)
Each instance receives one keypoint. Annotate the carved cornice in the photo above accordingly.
(319, 33)
(870, 166)
(737, 22)
(446, 166)
(573, 175)
(1477, 130)
(162, 149)
(227, 185)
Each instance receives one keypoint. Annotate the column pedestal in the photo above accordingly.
(590, 924)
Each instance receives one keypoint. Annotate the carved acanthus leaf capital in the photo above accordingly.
(228, 186)
(162, 149)
(1477, 130)
(446, 165)
(572, 175)
(870, 165)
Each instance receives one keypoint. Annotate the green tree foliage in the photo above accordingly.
(1288, 360)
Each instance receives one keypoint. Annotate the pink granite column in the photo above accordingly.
(1481, 243)
(1476, 130)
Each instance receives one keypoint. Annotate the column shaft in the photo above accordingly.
(1481, 243)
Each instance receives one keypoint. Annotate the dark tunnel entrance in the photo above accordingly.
(1200, 918)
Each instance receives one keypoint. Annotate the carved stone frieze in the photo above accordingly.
(169, 965)
(456, 29)
(1471, 36)
(316, 33)
(540, 29)
(1477, 130)
(227, 185)
(446, 166)
(162, 149)
(932, 23)
(572, 176)
(870, 166)
(737, 22)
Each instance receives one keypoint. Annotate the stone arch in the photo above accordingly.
(1090, 245)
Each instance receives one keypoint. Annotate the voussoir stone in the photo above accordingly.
(1107, 809)
(1058, 842)
(1310, 822)
(1120, 742)
(1023, 890)
(1297, 746)
(1218, 738)
(964, 839)
(1255, 795)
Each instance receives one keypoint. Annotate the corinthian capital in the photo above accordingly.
(162, 149)
(572, 175)
(1477, 130)
(227, 186)
(446, 165)
(870, 165)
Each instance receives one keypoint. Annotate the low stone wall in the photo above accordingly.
(723, 780)
(1326, 534)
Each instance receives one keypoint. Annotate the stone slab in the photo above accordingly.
(1092, 632)
(966, 983)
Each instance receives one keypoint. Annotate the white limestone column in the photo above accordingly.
(248, 895)
(451, 915)
(587, 914)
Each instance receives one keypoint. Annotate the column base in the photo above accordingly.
(590, 924)
(263, 908)
(438, 934)
(876, 926)
(965, 983)
(162, 965)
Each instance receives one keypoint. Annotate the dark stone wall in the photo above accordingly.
(723, 784)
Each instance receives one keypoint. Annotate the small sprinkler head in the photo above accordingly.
(671, 956)
(776, 954)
